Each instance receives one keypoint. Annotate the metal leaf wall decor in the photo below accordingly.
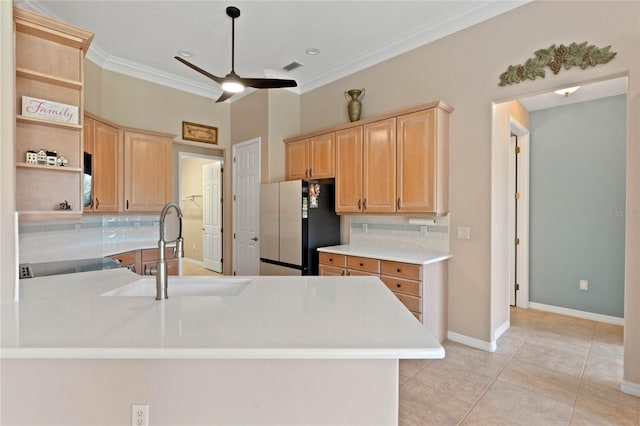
(579, 55)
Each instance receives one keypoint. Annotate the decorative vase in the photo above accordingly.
(355, 106)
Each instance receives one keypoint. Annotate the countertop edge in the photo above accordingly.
(218, 354)
(437, 257)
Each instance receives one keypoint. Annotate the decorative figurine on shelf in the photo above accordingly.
(42, 157)
(65, 205)
(355, 106)
(52, 158)
(62, 161)
(32, 157)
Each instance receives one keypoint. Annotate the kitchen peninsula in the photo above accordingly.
(285, 350)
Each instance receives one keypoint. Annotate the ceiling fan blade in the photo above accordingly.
(224, 96)
(200, 70)
(268, 83)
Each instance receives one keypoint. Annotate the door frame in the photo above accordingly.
(234, 213)
(186, 154)
(522, 278)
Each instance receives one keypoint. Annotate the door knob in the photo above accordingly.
(254, 239)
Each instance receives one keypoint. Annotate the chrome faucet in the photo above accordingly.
(160, 270)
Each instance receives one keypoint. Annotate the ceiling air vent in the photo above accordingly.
(292, 66)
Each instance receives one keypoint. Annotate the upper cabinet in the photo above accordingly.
(104, 142)
(147, 171)
(48, 139)
(310, 158)
(393, 163)
(422, 162)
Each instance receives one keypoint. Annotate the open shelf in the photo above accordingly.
(47, 78)
(50, 168)
(49, 123)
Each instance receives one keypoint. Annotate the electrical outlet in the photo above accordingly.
(464, 233)
(584, 285)
(139, 415)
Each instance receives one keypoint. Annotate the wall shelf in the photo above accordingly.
(40, 121)
(49, 168)
(47, 78)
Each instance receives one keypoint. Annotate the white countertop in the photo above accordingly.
(65, 316)
(417, 257)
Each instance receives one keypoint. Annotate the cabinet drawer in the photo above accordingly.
(337, 260)
(400, 285)
(363, 264)
(356, 273)
(331, 271)
(411, 302)
(128, 258)
(403, 270)
(152, 254)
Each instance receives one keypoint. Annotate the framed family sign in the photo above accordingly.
(199, 133)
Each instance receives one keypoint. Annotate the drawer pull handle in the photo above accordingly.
(331, 259)
(361, 264)
(398, 270)
(398, 285)
(342, 273)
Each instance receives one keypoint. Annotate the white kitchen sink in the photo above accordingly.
(184, 286)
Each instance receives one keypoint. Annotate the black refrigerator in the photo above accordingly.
(296, 217)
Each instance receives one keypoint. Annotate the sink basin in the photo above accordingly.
(184, 286)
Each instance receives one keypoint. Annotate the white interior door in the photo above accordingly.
(246, 208)
(212, 216)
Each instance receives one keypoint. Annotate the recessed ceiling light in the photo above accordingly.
(312, 51)
(566, 92)
(185, 53)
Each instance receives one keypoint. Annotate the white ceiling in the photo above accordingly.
(140, 38)
(586, 92)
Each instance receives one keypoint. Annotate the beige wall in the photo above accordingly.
(284, 122)
(463, 71)
(7, 155)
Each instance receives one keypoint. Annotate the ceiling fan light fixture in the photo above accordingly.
(232, 86)
(567, 91)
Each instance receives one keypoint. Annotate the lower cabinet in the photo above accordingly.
(140, 261)
(421, 288)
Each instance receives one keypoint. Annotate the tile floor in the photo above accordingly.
(549, 369)
(190, 268)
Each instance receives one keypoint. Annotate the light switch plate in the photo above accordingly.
(464, 233)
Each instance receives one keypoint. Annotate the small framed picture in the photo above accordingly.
(199, 133)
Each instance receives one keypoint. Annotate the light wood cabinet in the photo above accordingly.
(147, 171)
(349, 170)
(422, 289)
(310, 158)
(140, 261)
(422, 162)
(49, 64)
(104, 142)
(379, 167)
(393, 163)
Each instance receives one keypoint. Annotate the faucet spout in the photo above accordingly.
(161, 265)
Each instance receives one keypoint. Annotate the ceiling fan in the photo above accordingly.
(232, 83)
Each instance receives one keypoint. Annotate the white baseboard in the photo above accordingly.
(500, 330)
(578, 314)
(630, 388)
(195, 262)
(472, 341)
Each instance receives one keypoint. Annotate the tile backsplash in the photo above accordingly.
(90, 236)
(400, 232)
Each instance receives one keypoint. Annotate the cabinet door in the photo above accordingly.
(416, 176)
(297, 160)
(322, 160)
(87, 144)
(107, 168)
(379, 167)
(349, 170)
(147, 172)
(330, 271)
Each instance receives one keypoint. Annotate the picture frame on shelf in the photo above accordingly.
(199, 133)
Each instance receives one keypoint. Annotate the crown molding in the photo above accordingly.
(453, 23)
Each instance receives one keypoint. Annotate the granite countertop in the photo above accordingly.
(66, 316)
(417, 257)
